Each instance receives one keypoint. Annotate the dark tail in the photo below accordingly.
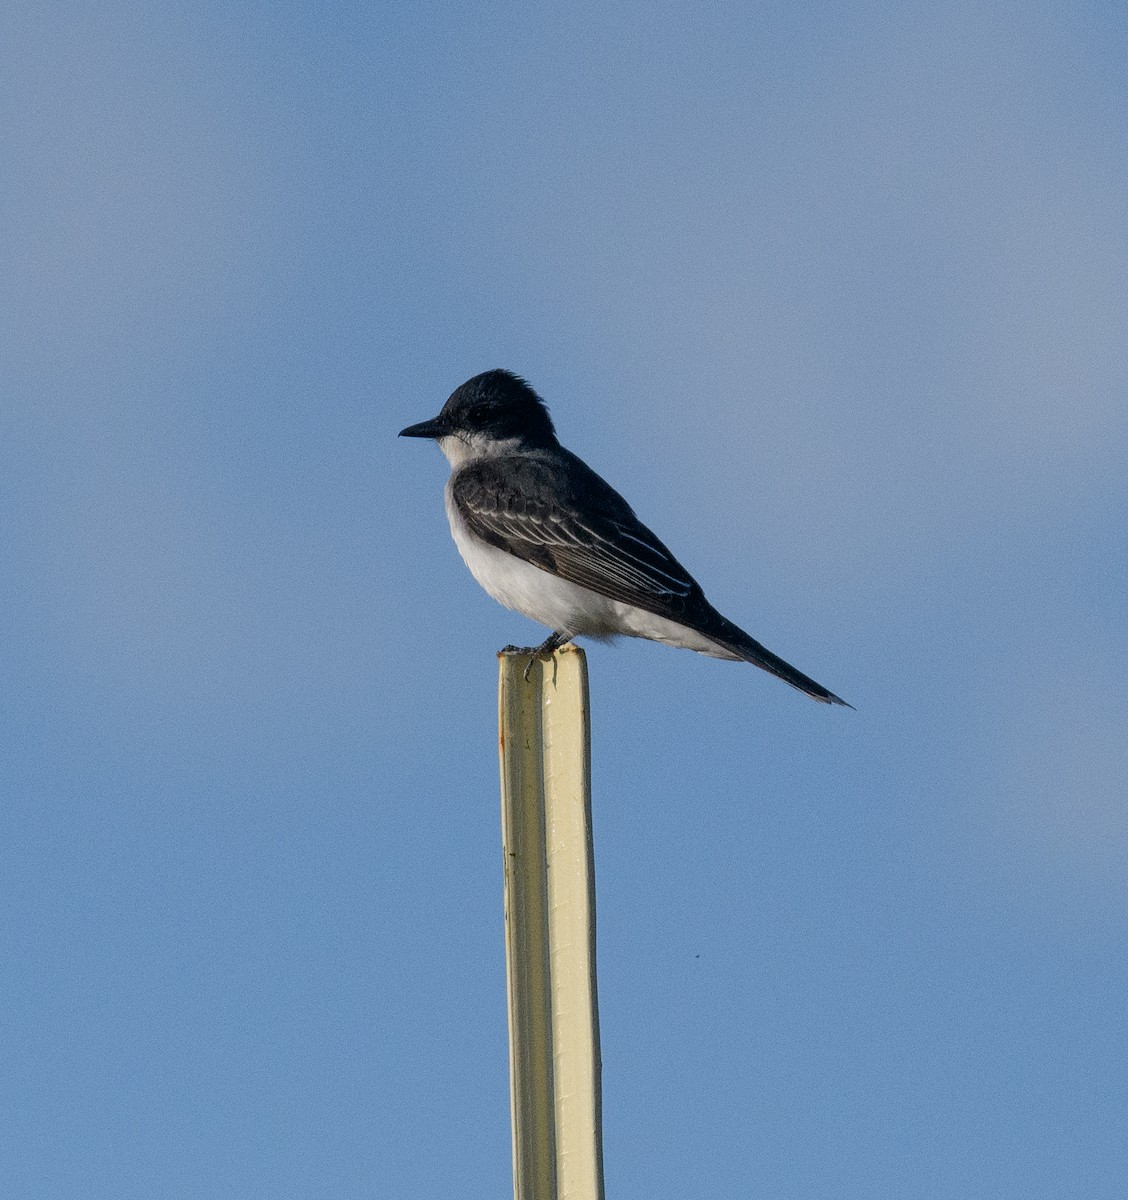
(734, 639)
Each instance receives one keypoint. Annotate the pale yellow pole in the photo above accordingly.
(554, 1066)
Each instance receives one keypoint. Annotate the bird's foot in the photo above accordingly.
(545, 650)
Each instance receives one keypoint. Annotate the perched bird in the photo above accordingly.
(546, 536)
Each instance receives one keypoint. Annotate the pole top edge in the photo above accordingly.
(527, 652)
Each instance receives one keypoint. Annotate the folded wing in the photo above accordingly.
(530, 508)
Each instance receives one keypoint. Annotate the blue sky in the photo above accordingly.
(836, 295)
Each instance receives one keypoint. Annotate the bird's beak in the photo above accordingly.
(435, 428)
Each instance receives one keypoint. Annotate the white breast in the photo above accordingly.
(526, 589)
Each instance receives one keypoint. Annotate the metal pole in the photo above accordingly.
(554, 1064)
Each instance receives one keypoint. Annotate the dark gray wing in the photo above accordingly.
(556, 513)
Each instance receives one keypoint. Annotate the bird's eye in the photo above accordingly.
(478, 413)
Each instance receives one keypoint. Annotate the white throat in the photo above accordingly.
(463, 448)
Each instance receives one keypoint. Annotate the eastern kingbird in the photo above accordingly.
(544, 535)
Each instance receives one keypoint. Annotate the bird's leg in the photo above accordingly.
(546, 649)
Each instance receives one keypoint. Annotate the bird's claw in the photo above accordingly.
(545, 651)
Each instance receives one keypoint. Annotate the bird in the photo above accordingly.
(548, 537)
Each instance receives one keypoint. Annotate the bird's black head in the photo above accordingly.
(498, 406)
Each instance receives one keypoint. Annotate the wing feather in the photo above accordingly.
(570, 522)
